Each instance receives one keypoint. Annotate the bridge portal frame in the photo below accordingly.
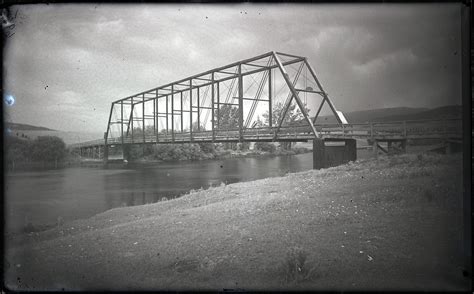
(234, 72)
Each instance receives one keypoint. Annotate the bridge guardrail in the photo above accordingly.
(406, 129)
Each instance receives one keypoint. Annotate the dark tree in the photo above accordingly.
(196, 129)
(48, 148)
(17, 150)
(293, 116)
(228, 117)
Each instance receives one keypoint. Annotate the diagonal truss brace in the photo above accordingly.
(323, 94)
(294, 93)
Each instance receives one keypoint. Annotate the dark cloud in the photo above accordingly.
(366, 56)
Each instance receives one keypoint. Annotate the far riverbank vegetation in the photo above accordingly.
(203, 151)
(41, 152)
(226, 118)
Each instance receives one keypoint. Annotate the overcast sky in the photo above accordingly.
(65, 64)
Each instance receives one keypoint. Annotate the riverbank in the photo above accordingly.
(392, 223)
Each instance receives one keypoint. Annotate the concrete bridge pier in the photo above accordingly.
(453, 146)
(333, 152)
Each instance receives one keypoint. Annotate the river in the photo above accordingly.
(43, 197)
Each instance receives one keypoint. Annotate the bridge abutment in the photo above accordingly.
(333, 152)
(453, 146)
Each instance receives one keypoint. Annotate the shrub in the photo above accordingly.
(17, 150)
(48, 148)
(265, 146)
(296, 267)
(300, 150)
(244, 146)
(207, 147)
(168, 152)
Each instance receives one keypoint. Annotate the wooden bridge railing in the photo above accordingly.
(441, 128)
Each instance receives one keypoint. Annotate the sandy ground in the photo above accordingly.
(391, 223)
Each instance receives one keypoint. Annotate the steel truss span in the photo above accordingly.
(227, 104)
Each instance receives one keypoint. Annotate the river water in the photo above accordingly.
(41, 197)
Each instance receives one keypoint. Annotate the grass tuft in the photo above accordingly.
(296, 267)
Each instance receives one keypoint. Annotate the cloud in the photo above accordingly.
(366, 56)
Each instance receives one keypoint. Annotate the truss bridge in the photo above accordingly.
(272, 97)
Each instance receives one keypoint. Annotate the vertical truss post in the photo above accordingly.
(143, 120)
(131, 116)
(157, 117)
(241, 103)
(190, 110)
(270, 97)
(154, 117)
(121, 121)
(218, 106)
(212, 109)
(325, 96)
(167, 114)
(172, 113)
(295, 95)
(199, 112)
(181, 101)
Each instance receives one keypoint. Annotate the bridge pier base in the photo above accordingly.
(333, 152)
(453, 146)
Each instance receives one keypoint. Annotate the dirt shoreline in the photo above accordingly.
(388, 224)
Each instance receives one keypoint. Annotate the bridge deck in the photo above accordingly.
(422, 129)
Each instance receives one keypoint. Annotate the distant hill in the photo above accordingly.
(68, 137)
(452, 111)
(25, 127)
(29, 132)
(397, 114)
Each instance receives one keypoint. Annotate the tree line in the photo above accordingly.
(43, 149)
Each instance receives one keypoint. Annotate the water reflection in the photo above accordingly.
(149, 183)
(43, 197)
